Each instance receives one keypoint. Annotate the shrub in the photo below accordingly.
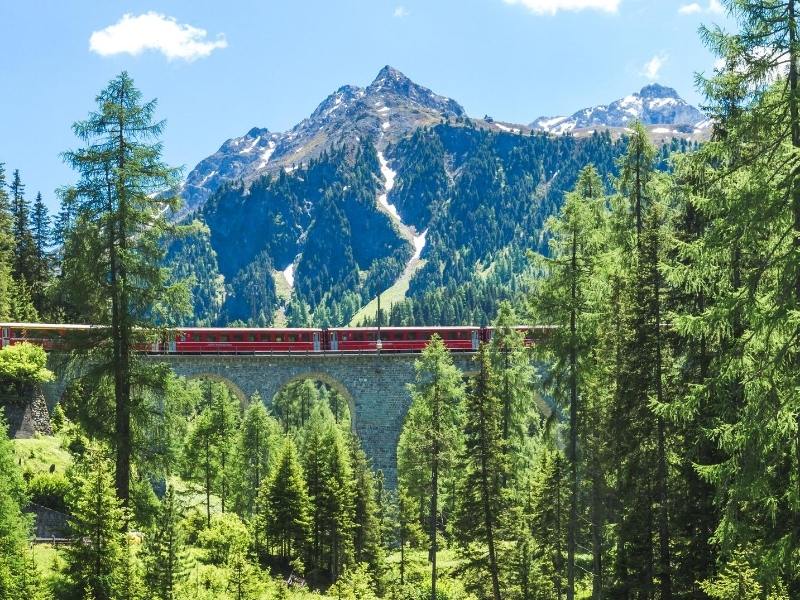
(49, 490)
(227, 535)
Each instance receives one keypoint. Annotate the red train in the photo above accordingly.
(218, 340)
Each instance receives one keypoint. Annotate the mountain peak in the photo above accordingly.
(389, 73)
(655, 104)
(656, 90)
(392, 83)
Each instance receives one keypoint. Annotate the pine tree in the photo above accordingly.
(165, 555)
(511, 366)
(40, 229)
(96, 559)
(224, 410)
(747, 263)
(367, 522)
(17, 579)
(569, 297)
(482, 503)
(433, 419)
(256, 441)
(113, 264)
(201, 462)
(24, 248)
(6, 247)
(284, 505)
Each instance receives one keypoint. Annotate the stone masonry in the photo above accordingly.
(374, 385)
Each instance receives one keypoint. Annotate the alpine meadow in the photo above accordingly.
(395, 351)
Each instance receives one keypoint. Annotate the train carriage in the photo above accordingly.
(219, 340)
(50, 336)
(400, 339)
(199, 340)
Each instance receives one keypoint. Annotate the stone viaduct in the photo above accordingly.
(374, 385)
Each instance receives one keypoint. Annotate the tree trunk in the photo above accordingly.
(434, 488)
(402, 543)
(597, 525)
(487, 510)
(559, 556)
(663, 512)
(573, 422)
(122, 341)
(208, 483)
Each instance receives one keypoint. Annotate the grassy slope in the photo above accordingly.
(37, 455)
(394, 294)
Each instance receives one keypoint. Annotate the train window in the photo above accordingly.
(292, 337)
(304, 337)
(212, 338)
(345, 337)
(223, 338)
(398, 336)
(278, 338)
(251, 337)
(237, 338)
(412, 335)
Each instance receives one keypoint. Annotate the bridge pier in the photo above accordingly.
(374, 385)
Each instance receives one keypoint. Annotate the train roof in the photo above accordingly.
(300, 329)
(390, 328)
(58, 326)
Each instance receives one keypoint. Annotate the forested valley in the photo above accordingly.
(647, 448)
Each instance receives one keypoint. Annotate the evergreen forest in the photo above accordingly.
(647, 448)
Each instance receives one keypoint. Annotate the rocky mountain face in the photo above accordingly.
(389, 189)
(657, 106)
(390, 107)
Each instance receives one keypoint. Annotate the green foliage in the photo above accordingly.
(225, 538)
(18, 577)
(97, 558)
(355, 584)
(257, 442)
(164, 553)
(49, 490)
(112, 268)
(283, 506)
(24, 363)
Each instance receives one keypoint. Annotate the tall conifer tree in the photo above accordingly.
(115, 248)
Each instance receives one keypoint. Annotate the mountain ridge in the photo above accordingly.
(654, 105)
(391, 106)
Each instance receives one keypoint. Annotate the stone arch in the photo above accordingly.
(328, 380)
(237, 391)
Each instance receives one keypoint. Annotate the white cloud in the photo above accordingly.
(652, 68)
(134, 34)
(714, 8)
(400, 12)
(690, 9)
(551, 7)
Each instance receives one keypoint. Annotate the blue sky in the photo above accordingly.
(268, 63)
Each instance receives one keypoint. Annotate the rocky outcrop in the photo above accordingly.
(25, 411)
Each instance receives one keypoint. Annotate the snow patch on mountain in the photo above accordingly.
(389, 177)
(288, 275)
(419, 244)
